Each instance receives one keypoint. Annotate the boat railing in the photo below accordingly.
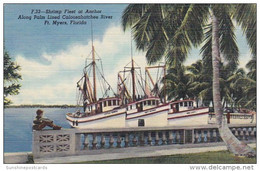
(65, 142)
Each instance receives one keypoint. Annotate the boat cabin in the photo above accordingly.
(142, 105)
(103, 105)
(181, 105)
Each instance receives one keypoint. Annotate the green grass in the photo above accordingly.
(220, 157)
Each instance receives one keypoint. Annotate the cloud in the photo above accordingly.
(51, 79)
(68, 60)
(62, 93)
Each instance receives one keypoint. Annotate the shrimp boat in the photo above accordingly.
(137, 103)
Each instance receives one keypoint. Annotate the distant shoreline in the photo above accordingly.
(41, 106)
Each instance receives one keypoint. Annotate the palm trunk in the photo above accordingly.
(233, 144)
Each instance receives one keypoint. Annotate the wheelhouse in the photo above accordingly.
(103, 105)
(181, 105)
(144, 104)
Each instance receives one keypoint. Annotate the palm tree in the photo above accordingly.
(200, 82)
(232, 91)
(171, 30)
(178, 84)
(248, 93)
(158, 30)
(251, 65)
(247, 87)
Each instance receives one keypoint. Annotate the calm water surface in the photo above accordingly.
(18, 126)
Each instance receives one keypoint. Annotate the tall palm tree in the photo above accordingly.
(171, 30)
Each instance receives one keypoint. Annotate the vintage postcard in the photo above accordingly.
(129, 83)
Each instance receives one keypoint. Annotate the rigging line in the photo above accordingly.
(104, 87)
(149, 85)
(87, 66)
(127, 80)
(86, 60)
(99, 58)
(80, 79)
(140, 76)
(141, 86)
(102, 69)
(101, 88)
(106, 81)
(77, 98)
(130, 83)
(134, 67)
(89, 71)
(89, 54)
(127, 64)
(142, 81)
(137, 64)
(124, 71)
(157, 75)
(103, 84)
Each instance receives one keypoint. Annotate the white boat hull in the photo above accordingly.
(156, 117)
(112, 119)
(160, 116)
(193, 117)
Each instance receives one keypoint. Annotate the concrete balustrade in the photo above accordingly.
(52, 143)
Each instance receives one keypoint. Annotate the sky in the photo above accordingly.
(52, 57)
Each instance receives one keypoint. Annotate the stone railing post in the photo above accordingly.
(149, 137)
(156, 138)
(142, 138)
(126, 139)
(164, 138)
(77, 142)
(52, 143)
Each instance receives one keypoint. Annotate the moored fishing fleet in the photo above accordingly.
(138, 102)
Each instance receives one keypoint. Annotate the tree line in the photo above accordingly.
(41, 106)
(237, 87)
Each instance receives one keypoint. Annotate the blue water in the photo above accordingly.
(18, 126)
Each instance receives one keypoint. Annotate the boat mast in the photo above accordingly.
(133, 78)
(164, 86)
(133, 71)
(94, 68)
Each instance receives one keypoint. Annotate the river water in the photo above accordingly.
(18, 126)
